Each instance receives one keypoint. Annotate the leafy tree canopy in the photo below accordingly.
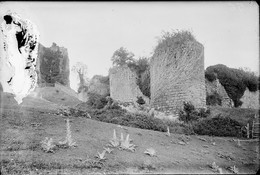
(122, 57)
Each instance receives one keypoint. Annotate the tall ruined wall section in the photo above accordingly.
(216, 87)
(250, 99)
(53, 65)
(123, 85)
(177, 75)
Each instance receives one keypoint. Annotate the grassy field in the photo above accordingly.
(23, 128)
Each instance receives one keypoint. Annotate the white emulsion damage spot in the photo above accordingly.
(19, 47)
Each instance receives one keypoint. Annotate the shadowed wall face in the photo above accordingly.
(177, 76)
(53, 65)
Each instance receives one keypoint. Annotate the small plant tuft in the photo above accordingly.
(151, 152)
(114, 142)
(47, 145)
(125, 144)
(68, 142)
(190, 113)
(101, 156)
(108, 150)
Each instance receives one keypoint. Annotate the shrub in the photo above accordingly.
(136, 121)
(140, 100)
(218, 126)
(174, 38)
(82, 88)
(104, 79)
(180, 128)
(122, 57)
(204, 113)
(190, 113)
(214, 99)
(210, 76)
(121, 117)
(96, 100)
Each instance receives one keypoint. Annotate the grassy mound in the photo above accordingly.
(58, 96)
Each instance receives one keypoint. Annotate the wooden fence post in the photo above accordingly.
(247, 130)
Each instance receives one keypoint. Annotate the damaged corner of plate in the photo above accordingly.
(18, 54)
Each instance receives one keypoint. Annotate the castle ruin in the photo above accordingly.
(177, 76)
(123, 85)
(53, 65)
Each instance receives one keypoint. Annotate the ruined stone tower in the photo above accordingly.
(177, 74)
(53, 65)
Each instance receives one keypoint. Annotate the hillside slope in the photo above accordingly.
(242, 115)
(57, 95)
(22, 130)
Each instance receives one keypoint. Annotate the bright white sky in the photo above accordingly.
(92, 31)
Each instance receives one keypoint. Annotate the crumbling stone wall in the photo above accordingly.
(123, 85)
(99, 85)
(216, 87)
(250, 99)
(177, 75)
(53, 65)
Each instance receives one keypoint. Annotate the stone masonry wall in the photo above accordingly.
(250, 99)
(216, 87)
(178, 76)
(97, 86)
(123, 85)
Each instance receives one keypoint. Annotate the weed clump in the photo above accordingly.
(48, 145)
(68, 142)
(214, 99)
(175, 40)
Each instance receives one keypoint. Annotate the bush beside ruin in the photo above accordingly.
(214, 99)
(96, 100)
(235, 81)
(218, 126)
(190, 113)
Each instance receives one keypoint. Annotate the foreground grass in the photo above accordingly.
(22, 130)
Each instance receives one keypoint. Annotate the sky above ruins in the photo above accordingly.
(92, 31)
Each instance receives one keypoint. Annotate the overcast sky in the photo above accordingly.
(92, 31)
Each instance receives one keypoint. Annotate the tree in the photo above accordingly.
(122, 57)
(82, 70)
